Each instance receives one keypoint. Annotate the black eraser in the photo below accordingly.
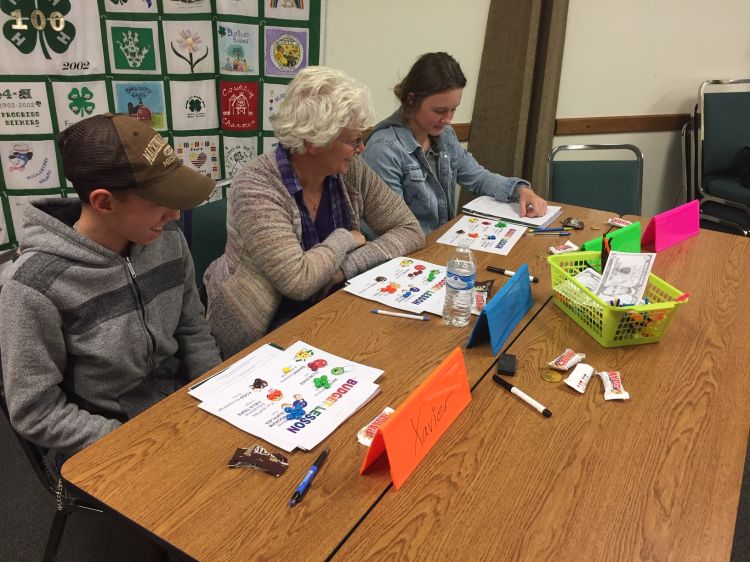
(506, 364)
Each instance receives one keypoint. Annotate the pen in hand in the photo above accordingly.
(301, 490)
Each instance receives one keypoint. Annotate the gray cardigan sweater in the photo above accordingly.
(89, 339)
(264, 259)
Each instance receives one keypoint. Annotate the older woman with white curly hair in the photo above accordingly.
(294, 213)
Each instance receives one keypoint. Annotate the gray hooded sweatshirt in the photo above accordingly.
(90, 338)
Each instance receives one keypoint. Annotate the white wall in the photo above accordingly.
(377, 42)
(644, 58)
(640, 57)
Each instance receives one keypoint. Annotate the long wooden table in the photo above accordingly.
(165, 471)
(653, 478)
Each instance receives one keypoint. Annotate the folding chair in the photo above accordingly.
(610, 184)
(723, 123)
(205, 229)
(66, 504)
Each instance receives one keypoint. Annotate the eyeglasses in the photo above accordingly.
(355, 144)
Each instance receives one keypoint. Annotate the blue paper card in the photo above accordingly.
(503, 312)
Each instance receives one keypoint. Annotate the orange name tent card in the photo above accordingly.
(421, 420)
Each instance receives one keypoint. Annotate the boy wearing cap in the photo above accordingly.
(101, 315)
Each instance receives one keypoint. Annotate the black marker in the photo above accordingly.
(509, 273)
(522, 395)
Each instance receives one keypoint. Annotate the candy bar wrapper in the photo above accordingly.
(367, 433)
(568, 246)
(566, 360)
(482, 290)
(259, 459)
(580, 377)
(618, 222)
(613, 389)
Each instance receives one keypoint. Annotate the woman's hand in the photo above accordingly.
(359, 238)
(531, 205)
(336, 279)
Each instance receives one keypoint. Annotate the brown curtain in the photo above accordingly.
(513, 122)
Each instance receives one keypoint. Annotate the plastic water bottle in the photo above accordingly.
(459, 285)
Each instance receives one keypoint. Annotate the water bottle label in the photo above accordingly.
(459, 282)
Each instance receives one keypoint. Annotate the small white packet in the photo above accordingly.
(563, 248)
(566, 360)
(618, 222)
(367, 433)
(580, 377)
(613, 389)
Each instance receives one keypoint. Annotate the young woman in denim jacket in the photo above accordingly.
(418, 155)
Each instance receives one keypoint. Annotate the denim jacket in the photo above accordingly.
(394, 153)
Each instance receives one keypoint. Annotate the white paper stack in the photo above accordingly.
(488, 207)
(273, 394)
(408, 284)
(404, 283)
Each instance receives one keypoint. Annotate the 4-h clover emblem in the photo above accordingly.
(80, 102)
(38, 20)
(195, 104)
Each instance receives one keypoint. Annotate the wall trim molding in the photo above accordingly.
(621, 124)
(598, 125)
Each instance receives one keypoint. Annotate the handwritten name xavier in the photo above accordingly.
(423, 429)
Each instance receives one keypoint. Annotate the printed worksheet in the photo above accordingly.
(486, 235)
(295, 398)
(403, 283)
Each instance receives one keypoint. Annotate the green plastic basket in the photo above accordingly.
(611, 326)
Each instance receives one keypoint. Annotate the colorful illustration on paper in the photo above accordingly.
(237, 152)
(142, 100)
(238, 48)
(403, 283)
(296, 408)
(286, 51)
(485, 235)
(200, 153)
(133, 48)
(258, 385)
(239, 106)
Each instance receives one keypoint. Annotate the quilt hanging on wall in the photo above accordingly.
(206, 74)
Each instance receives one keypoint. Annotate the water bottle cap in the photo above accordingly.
(464, 242)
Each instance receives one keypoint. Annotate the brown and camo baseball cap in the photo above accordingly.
(118, 152)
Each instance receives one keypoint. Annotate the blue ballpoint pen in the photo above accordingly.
(301, 490)
(555, 229)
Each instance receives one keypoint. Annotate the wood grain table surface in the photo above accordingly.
(654, 478)
(165, 470)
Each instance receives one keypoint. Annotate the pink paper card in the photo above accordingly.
(673, 226)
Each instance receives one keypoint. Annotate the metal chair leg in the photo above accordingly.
(55, 534)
